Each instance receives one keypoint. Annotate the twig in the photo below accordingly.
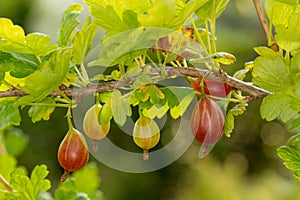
(263, 20)
(78, 93)
(5, 183)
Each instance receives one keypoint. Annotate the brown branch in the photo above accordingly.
(264, 23)
(78, 93)
(5, 183)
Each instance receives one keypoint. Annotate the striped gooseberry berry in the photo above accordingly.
(91, 126)
(146, 134)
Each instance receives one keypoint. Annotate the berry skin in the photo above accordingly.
(73, 153)
(146, 134)
(207, 121)
(213, 88)
(91, 126)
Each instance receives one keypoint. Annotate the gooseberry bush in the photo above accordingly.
(145, 44)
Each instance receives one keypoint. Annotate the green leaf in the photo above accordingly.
(82, 185)
(105, 113)
(47, 78)
(170, 96)
(13, 40)
(275, 105)
(43, 111)
(184, 11)
(15, 141)
(82, 41)
(18, 68)
(11, 32)
(68, 23)
(87, 179)
(178, 110)
(107, 18)
(120, 107)
(66, 190)
(290, 2)
(294, 124)
(10, 115)
(295, 64)
(229, 124)
(156, 111)
(7, 165)
(29, 189)
(294, 141)
(237, 110)
(212, 9)
(128, 45)
(279, 11)
(160, 14)
(38, 43)
(288, 38)
(291, 157)
(271, 73)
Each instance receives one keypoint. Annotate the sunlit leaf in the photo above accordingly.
(14, 40)
(105, 113)
(178, 110)
(160, 14)
(120, 108)
(271, 73)
(11, 32)
(29, 188)
(213, 8)
(279, 11)
(288, 38)
(47, 78)
(128, 45)
(277, 105)
(82, 41)
(68, 23)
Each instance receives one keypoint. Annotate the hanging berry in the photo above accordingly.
(146, 134)
(91, 126)
(73, 153)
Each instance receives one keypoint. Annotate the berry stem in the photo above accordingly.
(64, 176)
(95, 145)
(145, 154)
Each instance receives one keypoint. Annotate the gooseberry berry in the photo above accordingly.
(211, 87)
(73, 153)
(207, 121)
(91, 126)
(146, 134)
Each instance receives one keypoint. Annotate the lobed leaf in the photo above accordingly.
(120, 107)
(13, 40)
(68, 23)
(291, 157)
(279, 11)
(47, 78)
(10, 115)
(288, 38)
(271, 73)
(29, 188)
(212, 9)
(40, 112)
(278, 104)
(82, 41)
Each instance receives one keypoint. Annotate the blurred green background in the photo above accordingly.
(242, 167)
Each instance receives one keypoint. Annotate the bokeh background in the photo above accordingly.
(242, 167)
